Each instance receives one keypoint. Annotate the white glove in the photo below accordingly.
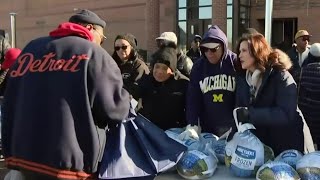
(190, 132)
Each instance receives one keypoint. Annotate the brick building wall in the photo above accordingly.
(219, 14)
(307, 14)
(152, 23)
(37, 18)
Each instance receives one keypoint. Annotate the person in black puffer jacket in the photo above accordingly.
(129, 61)
(163, 92)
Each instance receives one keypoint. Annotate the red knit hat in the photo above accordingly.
(9, 58)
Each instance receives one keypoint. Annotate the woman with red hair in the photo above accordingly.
(266, 94)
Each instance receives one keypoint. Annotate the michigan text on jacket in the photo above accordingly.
(218, 82)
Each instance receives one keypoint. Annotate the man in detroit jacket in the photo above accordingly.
(62, 92)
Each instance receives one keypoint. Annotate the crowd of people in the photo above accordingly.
(60, 99)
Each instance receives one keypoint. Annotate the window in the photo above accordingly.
(205, 2)
(182, 14)
(182, 23)
(229, 31)
(245, 2)
(205, 12)
(229, 11)
(194, 17)
(182, 3)
(244, 17)
(182, 34)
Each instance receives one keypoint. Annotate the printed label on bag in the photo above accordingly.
(199, 154)
(191, 159)
(244, 158)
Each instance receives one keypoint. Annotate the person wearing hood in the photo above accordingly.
(163, 92)
(131, 65)
(169, 39)
(309, 92)
(211, 91)
(62, 93)
(266, 95)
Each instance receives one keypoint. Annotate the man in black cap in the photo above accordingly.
(92, 22)
(194, 53)
(63, 92)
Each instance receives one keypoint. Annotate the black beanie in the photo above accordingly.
(130, 38)
(167, 56)
(87, 16)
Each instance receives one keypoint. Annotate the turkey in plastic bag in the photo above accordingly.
(244, 152)
(290, 157)
(198, 164)
(277, 170)
(190, 143)
(308, 166)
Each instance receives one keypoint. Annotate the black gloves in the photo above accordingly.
(243, 114)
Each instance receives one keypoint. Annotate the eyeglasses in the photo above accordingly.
(102, 37)
(305, 38)
(213, 50)
(117, 48)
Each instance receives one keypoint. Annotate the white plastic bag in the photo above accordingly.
(198, 164)
(245, 152)
(277, 171)
(308, 166)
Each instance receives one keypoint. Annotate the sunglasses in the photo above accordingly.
(117, 48)
(305, 38)
(213, 50)
(102, 37)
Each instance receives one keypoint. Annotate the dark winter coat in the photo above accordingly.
(131, 71)
(274, 111)
(164, 103)
(194, 55)
(296, 68)
(62, 93)
(309, 96)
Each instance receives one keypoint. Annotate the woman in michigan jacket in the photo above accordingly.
(267, 95)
